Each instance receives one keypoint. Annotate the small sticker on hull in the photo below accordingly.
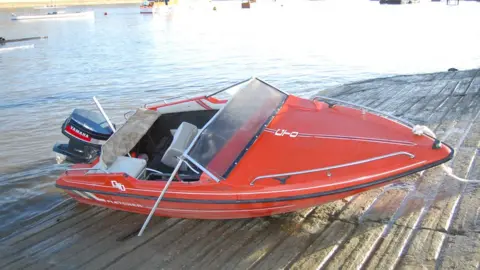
(124, 203)
(284, 132)
(91, 196)
(117, 185)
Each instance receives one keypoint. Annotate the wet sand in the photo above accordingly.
(426, 220)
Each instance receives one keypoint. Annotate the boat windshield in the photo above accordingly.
(230, 132)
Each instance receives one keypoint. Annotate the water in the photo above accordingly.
(127, 59)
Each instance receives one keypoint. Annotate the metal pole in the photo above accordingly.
(160, 197)
(104, 114)
(106, 117)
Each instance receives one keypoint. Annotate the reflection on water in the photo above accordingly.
(128, 59)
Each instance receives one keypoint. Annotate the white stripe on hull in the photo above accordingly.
(91, 196)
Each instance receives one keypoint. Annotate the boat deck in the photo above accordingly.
(425, 221)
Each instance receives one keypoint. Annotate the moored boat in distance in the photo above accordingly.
(54, 15)
(155, 6)
(50, 7)
(262, 152)
(4, 41)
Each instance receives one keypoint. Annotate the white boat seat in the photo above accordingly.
(182, 138)
(134, 167)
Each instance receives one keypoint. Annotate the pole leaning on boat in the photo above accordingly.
(180, 161)
(104, 114)
(106, 117)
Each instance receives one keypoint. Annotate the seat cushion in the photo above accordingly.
(131, 166)
(184, 135)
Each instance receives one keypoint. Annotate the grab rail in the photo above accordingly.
(164, 100)
(87, 169)
(330, 167)
(364, 108)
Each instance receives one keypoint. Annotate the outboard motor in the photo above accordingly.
(87, 132)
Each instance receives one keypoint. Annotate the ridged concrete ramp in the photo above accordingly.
(426, 221)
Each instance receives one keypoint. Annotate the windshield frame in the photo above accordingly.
(227, 88)
(249, 144)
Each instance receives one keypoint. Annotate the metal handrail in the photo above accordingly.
(87, 169)
(365, 108)
(189, 166)
(154, 172)
(164, 100)
(332, 167)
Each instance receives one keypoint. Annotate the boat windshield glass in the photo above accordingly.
(224, 139)
(228, 92)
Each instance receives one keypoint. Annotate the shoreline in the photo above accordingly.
(5, 5)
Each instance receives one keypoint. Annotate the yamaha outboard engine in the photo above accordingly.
(87, 132)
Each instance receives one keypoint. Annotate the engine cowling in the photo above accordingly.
(87, 131)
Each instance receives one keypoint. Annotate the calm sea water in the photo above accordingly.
(127, 59)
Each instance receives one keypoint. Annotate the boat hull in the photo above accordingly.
(197, 203)
(195, 210)
(312, 152)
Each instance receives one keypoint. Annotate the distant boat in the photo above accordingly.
(154, 6)
(50, 7)
(4, 41)
(54, 15)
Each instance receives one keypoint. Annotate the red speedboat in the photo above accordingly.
(263, 152)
